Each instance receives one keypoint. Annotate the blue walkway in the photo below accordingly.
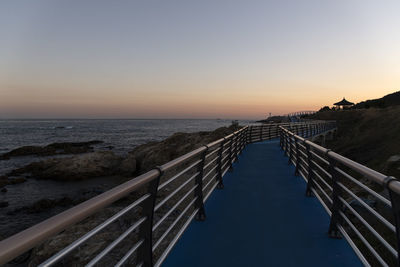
(262, 218)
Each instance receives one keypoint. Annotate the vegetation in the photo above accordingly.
(384, 102)
(368, 136)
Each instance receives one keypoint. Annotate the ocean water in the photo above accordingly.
(121, 135)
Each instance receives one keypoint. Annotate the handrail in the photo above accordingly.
(347, 182)
(175, 190)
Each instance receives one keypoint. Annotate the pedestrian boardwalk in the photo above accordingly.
(262, 218)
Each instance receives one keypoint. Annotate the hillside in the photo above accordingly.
(368, 136)
(386, 101)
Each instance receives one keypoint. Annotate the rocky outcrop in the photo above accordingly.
(157, 153)
(95, 164)
(45, 204)
(4, 180)
(52, 149)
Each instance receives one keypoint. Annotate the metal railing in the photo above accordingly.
(364, 205)
(139, 221)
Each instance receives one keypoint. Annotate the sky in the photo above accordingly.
(193, 59)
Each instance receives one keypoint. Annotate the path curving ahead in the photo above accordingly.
(262, 218)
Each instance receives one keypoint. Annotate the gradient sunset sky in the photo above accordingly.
(193, 59)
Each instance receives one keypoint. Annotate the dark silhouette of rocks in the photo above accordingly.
(4, 180)
(52, 149)
(90, 165)
(157, 153)
(106, 163)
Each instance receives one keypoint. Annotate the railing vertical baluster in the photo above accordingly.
(145, 251)
(261, 131)
(219, 164)
(336, 203)
(199, 203)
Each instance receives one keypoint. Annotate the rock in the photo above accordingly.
(394, 158)
(95, 164)
(3, 204)
(16, 180)
(52, 149)
(4, 180)
(157, 153)
(128, 166)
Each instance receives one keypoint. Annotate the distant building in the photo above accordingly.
(343, 104)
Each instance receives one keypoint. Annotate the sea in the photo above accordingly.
(119, 135)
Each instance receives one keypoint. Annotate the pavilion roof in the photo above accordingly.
(344, 102)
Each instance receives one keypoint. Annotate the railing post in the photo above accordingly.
(296, 172)
(242, 140)
(269, 132)
(290, 148)
(239, 143)
(336, 203)
(220, 184)
(230, 153)
(249, 135)
(280, 138)
(145, 251)
(310, 176)
(198, 192)
(236, 146)
(395, 201)
(287, 148)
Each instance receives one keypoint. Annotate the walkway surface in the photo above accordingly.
(262, 218)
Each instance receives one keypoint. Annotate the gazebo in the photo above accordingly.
(344, 103)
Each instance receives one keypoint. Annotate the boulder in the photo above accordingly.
(157, 153)
(4, 180)
(52, 149)
(95, 164)
(127, 166)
